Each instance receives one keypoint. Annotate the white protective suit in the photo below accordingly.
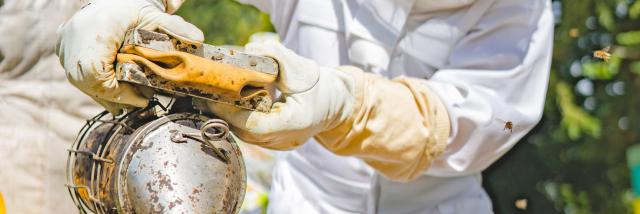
(40, 112)
(488, 60)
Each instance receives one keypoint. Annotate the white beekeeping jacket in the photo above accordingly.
(488, 60)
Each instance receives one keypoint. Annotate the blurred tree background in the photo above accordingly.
(574, 160)
(225, 21)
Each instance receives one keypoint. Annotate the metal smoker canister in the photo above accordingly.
(148, 163)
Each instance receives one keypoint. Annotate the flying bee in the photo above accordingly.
(508, 125)
(603, 54)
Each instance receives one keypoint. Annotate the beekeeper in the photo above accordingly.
(407, 101)
(40, 113)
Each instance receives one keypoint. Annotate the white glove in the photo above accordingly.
(397, 126)
(89, 41)
(313, 99)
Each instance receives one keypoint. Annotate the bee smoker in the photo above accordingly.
(165, 158)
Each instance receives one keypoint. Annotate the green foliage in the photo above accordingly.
(629, 38)
(635, 67)
(605, 16)
(225, 22)
(599, 70)
(583, 138)
(634, 10)
(567, 199)
(574, 119)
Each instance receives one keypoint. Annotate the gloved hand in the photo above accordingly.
(396, 126)
(314, 99)
(89, 41)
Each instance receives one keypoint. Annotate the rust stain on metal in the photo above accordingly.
(141, 147)
(84, 173)
(158, 208)
(194, 196)
(196, 191)
(154, 193)
(172, 204)
(164, 181)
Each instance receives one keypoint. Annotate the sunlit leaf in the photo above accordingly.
(634, 10)
(574, 119)
(600, 70)
(564, 196)
(635, 67)
(605, 16)
(629, 38)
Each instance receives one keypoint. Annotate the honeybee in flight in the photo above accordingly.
(603, 54)
(508, 125)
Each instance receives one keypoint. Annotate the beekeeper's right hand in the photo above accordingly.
(89, 41)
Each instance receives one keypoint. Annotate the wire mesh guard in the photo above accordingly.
(144, 162)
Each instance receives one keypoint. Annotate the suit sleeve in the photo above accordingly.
(454, 123)
(497, 74)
